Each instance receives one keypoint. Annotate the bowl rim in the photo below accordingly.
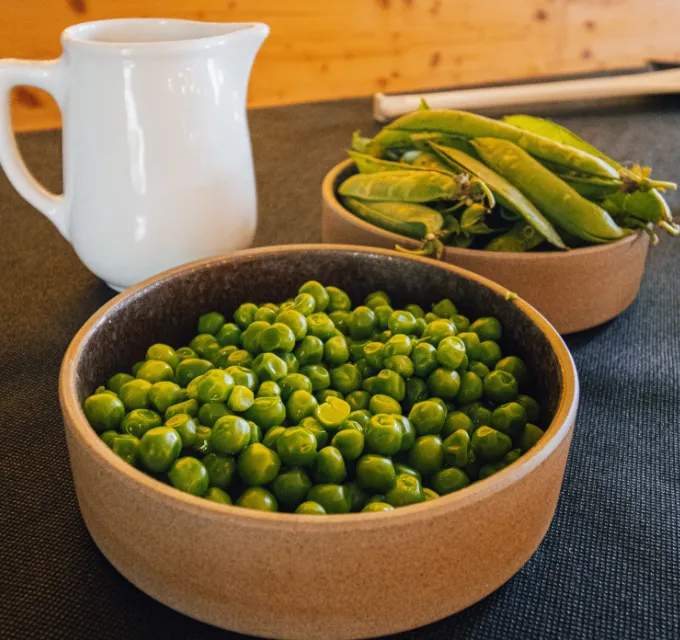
(77, 425)
(329, 196)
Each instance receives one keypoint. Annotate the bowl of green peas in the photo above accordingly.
(259, 440)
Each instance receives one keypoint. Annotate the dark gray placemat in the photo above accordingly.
(610, 564)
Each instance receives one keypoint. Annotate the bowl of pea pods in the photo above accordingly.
(260, 440)
(520, 200)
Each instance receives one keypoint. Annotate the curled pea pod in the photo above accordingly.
(407, 219)
(552, 196)
(472, 220)
(369, 164)
(414, 186)
(522, 237)
(469, 125)
(506, 193)
(645, 206)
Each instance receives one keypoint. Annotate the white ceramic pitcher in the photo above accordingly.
(158, 167)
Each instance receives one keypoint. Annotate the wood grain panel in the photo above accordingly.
(324, 50)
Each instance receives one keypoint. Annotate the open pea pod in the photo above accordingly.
(403, 186)
(555, 199)
(522, 237)
(411, 220)
(506, 193)
(462, 124)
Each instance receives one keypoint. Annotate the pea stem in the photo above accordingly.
(670, 227)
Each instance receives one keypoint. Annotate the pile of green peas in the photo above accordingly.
(315, 407)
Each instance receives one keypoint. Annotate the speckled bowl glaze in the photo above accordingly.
(575, 290)
(310, 577)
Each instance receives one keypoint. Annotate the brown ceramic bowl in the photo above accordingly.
(575, 290)
(308, 577)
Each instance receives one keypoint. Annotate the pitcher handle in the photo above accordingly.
(47, 75)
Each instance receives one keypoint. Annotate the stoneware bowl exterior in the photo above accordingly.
(574, 290)
(311, 577)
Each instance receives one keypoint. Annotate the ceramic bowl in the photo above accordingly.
(575, 290)
(309, 577)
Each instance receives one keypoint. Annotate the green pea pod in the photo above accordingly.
(425, 160)
(402, 186)
(522, 237)
(369, 164)
(591, 187)
(553, 197)
(359, 143)
(507, 195)
(412, 220)
(472, 220)
(648, 206)
(469, 125)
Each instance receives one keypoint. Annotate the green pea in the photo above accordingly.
(255, 432)
(292, 364)
(294, 382)
(379, 497)
(407, 490)
(500, 386)
(221, 469)
(427, 454)
(408, 432)
(530, 436)
(269, 388)
(265, 314)
(375, 473)
(230, 435)
(309, 351)
(362, 323)
(356, 348)
(338, 300)
(489, 469)
(445, 308)
(300, 404)
(329, 466)
(267, 412)
(455, 421)
(268, 366)
(383, 435)
(334, 498)
(449, 480)
(509, 418)
(490, 353)
(244, 377)
(125, 446)
(398, 345)
(305, 304)
(471, 388)
(258, 465)
(376, 299)
(462, 322)
(365, 369)
(319, 293)
(189, 475)
(424, 358)
(381, 403)
(487, 329)
(472, 344)
(400, 468)
(451, 352)
(272, 436)
(205, 346)
(367, 384)
(356, 400)
(515, 366)
(297, 447)
(335, 351)
(402, 322)
(416, 391)
(210, 322)
(444, 383)
(136, 366)
(332, 413)
(401, 365)
(229, 335)
(318, 376)
(530, 406)
(215, 386)
(512, 456)
(135, 394)
(139, 421)
(457, 448)
(291, 486)
(430, 494)
(164, 353)
(185, 353)
(277, 337)
(490, 445)
(463, 366)
(382, 315)
(437, 330)
(242, 398)
(105, 411)
(323, 395)
(238, 358)
(427, 417)
(349, 442)
(159, 448)
(341, 321)
(250, 338)
(320, 326)
(478, 368)
(419, 328)
(391, 384)
(164, 394)
(258, 498)
(108, 436)
(191, 368)
(202, 444)
(295, 321)
(373, 354)
(440, 402)
(310, 508)
(214, 494)
(361, 417)
(243, 316)
(358, 496)
(375, 507)
(117, 381)
(314, 427)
